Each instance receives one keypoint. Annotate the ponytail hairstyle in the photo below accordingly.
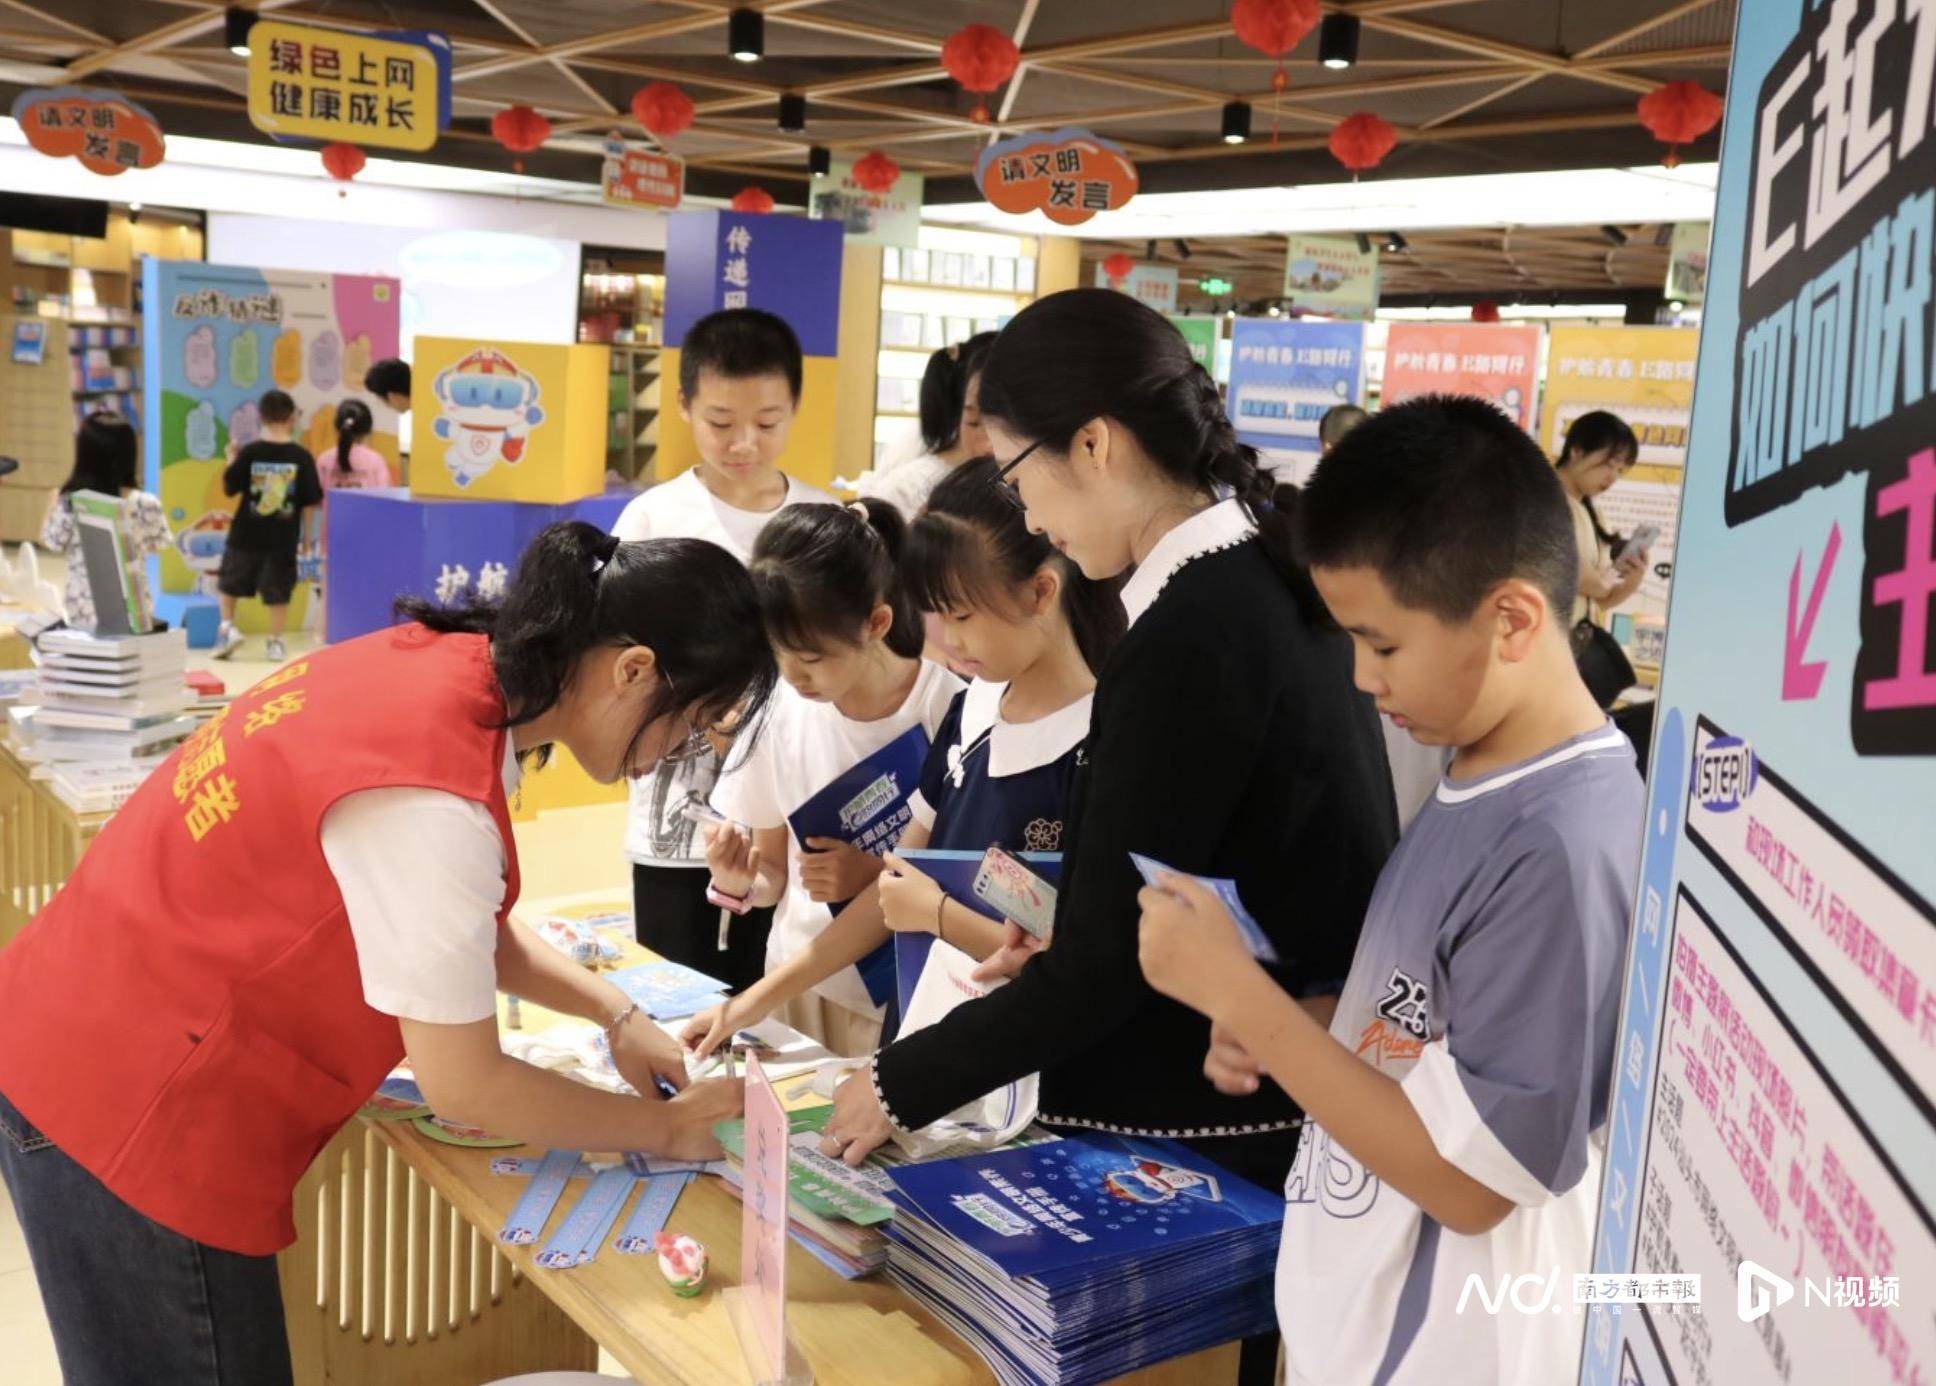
(972, 547)
(820, 570)
(944, 389)
(353, 424)
(1592, 432)
(578, 589)
(1085, 354)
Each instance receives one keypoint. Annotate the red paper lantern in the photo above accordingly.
(520, 130)
(342, 161)
(662, 109)
(1362, 141)
(752, 198)
(1486, 311)
(876, 173)
(1274, 28)
(1118, 266)
(980, 58)
(1677, 114)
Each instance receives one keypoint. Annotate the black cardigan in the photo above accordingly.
(1227, 740)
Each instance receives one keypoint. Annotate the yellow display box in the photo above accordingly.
(508, 421)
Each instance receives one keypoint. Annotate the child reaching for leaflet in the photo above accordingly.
(848, 640)
(1032, 630)
(1457, 1106)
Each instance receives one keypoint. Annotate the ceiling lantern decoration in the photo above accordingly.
(1677, 114)
(980, 59)
(1485, 311)
(1362, 141)
(1274, 28)
(663, 109)
(342, 162)
(876, 173)
(752, 198)
(520, 130)
(1118, 267)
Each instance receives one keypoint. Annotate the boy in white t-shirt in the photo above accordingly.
(739, 388)
(1456, 1108)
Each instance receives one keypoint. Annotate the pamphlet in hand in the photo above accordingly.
(1254, 936)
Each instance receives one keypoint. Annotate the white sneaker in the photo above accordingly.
(227, 641)
(278, 651)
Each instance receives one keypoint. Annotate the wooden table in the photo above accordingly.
(41, 842)
(397, 1277)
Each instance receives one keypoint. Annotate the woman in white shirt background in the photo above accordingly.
(1598, 450)
(951, 430)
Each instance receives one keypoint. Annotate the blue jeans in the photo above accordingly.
(129, 1300)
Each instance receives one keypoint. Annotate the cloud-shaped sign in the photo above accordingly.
(108, 133)
(1068, 174)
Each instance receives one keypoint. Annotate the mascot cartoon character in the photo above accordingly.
(489, 406)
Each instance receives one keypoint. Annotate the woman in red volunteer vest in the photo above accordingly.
(314, 886)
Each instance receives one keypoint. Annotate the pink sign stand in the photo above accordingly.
(757, 1306)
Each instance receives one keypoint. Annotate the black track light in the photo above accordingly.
(746, 35)
(1614, 235)
(1236, 122)
(1394, 243)
(820, 160)
(1338, 41)
(1364, 242)
(236, 23)
(793, 112)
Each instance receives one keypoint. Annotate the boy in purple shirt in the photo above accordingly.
(1456, 1106)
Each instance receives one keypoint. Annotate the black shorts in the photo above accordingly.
(266, 573)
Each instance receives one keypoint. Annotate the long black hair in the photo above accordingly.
(1592, 432)
(578, 588)
(944, 389)
(106, 452)
(972, 547)
(1085, 354)
(820, 570)
(353, 422)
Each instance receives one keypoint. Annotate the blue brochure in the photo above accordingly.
(1255, 939)
(866, 806)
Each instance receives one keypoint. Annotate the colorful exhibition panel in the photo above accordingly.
(1286, 373)
(219, 337)
(1493, 361)
(1773, 1124)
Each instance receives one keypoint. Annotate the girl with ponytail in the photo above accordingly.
(252, 1011)
(858, 697)
(1226, 740)
(355, 465)
(1033, 631)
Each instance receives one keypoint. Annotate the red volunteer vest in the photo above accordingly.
(186, 1018)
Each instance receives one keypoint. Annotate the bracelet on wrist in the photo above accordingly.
(612, 1025)
(733, 904)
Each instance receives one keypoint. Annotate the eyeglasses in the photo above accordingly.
(1008, 488)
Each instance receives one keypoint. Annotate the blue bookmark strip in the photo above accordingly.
(595, 1210)
(541, 1195)
(650, 1217)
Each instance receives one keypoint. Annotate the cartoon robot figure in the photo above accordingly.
(1154, 1182)
(489, 407)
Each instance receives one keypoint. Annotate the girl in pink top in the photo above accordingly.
(355, 466)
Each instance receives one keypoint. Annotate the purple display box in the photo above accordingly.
(386, 544)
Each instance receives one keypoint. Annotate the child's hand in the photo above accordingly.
(1018, 946)
(1632, 562)
(1229, 1066)
(734, 860)
(910, 900)
(716, 1025)
(1189, 945)
(833, 871)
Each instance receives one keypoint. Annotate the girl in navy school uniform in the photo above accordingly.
(1033, 631)
(848, 641)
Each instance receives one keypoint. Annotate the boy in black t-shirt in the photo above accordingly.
(276, 479)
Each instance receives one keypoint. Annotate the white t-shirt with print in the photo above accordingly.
(802, 747)
(657, 833)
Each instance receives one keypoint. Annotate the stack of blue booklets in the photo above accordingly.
(1085, 1258)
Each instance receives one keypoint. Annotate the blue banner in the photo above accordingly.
(1284, 375)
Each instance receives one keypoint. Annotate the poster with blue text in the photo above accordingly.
(1771, 1128)
(1285, 372)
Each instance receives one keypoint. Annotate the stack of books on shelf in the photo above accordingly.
(1087, 1258)
(110, 709)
